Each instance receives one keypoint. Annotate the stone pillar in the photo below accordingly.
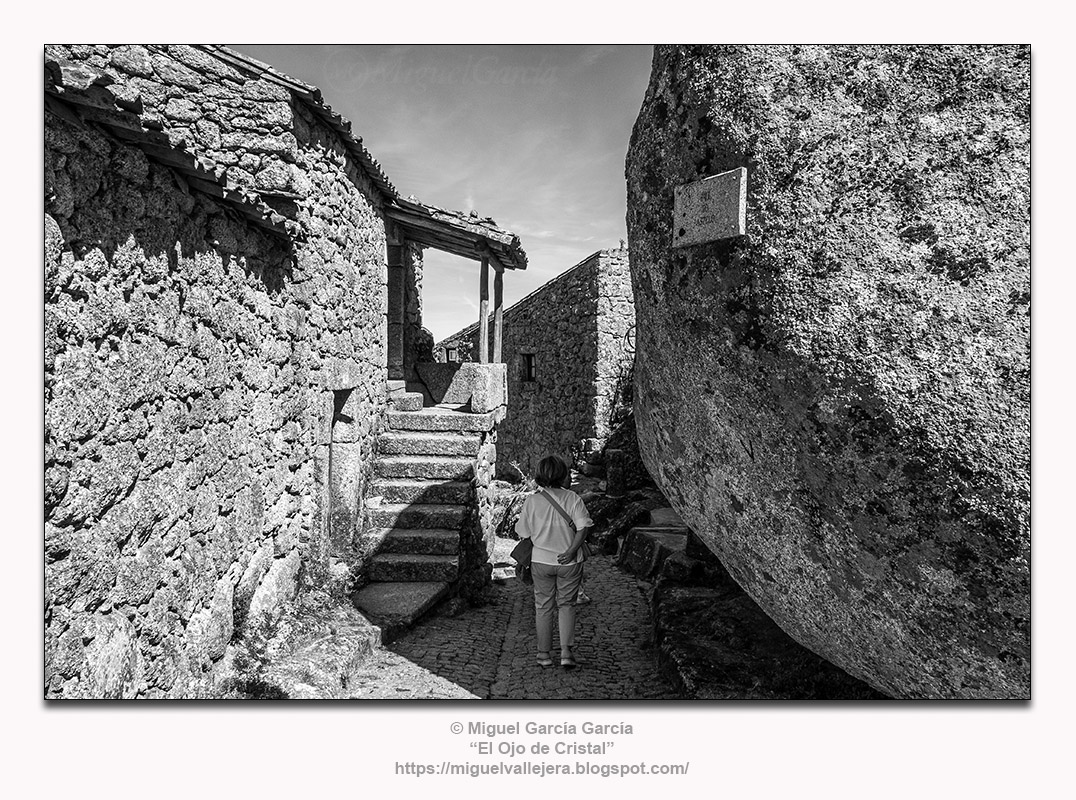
(396, 311)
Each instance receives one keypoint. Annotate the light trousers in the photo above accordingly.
(555, 585)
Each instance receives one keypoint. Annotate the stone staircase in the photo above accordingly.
(419, 500)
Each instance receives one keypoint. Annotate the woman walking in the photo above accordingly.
(556, 563)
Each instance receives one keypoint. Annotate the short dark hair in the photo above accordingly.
(552, 470)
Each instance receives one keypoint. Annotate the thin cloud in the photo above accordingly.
(533, 135)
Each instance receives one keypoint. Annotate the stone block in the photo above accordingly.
(114, 660)
(341, 373)
(646, 549)
(438, 379)
(277, 587)
(407, 401)
(210, 629)
(489, 386)
(484, 386)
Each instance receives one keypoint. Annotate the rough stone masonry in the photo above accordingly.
(193, 359)
(838, 402)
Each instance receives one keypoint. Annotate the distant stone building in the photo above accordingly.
(568, 350)
(231, 288)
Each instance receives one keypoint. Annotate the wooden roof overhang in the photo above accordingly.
(466, 235)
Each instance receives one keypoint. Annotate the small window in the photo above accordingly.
(451, 355)
(529, 370)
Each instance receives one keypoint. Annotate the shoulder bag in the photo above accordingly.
(521, 553)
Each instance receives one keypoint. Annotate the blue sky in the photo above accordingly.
(533, 136)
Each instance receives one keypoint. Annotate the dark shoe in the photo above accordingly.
(568, 662)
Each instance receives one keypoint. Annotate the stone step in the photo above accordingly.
(420, 541)
(395, 387)
(417, 515)
(423, 467)
(439, 419)
(665, 517)
(411, 490)
(417, 443)
(407, 402)
(390, 567)
(329, 650)
(395, 607)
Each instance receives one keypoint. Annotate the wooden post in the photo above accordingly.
(498, 314)
(483, 313)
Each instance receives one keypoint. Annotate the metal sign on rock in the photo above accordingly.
(712, 209)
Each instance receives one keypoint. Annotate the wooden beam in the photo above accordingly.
(498, 314)
(454, 236)
(483, 313)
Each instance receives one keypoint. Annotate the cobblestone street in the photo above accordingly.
(489, 652)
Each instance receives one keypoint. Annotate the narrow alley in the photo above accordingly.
(489, 652)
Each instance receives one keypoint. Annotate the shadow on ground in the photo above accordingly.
(490, 651)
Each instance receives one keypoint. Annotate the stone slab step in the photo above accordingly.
(407, 401)
(411, 490)
(665, 517)
(439, 419)
(395, 607)
(417, 515)
(423, 467)
(418, 443)
(408, 568)
(419, 541)
(329, 651)
(645, 549)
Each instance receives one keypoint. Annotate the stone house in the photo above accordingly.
(232, 308)
(568, 352)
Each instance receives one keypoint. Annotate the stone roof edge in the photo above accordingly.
(69, 93)
(312, 97)
(548, 284)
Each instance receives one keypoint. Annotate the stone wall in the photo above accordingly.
(577, 328)
(616, 342)
(838, 402)
(197, 368)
